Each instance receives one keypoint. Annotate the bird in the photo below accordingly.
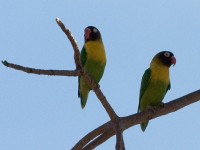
(93, 60)
(155, 82)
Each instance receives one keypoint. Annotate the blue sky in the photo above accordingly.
(44, 113)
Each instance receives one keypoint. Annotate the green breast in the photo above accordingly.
(94, 69)
(154, 94)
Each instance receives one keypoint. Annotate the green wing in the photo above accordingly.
(169, 87)
(83, 60)
(83, 56)
(144, 84)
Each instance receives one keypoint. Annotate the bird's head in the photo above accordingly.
(92, 34)
(166, 58)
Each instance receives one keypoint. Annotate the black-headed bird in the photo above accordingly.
(155, 82)
(93, 59)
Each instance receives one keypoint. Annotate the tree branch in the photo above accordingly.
(119, 136)
(92, 135)
(169, 107)
(99, 140)
(120, 141)
(132, 120)
(43, 72)
(73, 43)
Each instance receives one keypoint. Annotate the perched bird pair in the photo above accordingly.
(155, 81)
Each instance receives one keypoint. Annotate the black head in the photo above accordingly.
(166, 57)
(92, 34)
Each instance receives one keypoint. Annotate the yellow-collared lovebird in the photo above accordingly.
(155, 82)
(93, 59)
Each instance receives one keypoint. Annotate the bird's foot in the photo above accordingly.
(98, 85)
(152, 108)
(162, 105)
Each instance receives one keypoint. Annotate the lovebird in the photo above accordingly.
(93, 60)
(155, 82)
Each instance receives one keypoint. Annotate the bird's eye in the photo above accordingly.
(166, 54)
(95, 30)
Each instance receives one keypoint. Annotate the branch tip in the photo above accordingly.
(4, 63)
(57, 19)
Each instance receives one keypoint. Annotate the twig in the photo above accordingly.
(41, 71)
(73, 43)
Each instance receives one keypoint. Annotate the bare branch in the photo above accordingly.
(41, 71)
(92, 135)
(119, 136)
(100, 96)
(89, 81)
(169, 107)
(132, 120)
(73, 43)
(99, 140)
(119, 141)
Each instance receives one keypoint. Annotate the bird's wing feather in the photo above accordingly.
(144, 84)
(169, 87)
(83, 56)
(83, 60)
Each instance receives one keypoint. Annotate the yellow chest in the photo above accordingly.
(95, 51)
(160, 74)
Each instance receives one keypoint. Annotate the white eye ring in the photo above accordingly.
(95, 30)
(166, 54)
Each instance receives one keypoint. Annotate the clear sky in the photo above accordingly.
(44, 112)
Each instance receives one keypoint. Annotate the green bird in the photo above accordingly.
(93, 60)
(155, 82)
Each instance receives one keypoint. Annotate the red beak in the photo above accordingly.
(173, 60)
(87, 34)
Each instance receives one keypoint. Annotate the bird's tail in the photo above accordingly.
(83, 91)
(83, 101)
(83, 96)
(144, 125)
